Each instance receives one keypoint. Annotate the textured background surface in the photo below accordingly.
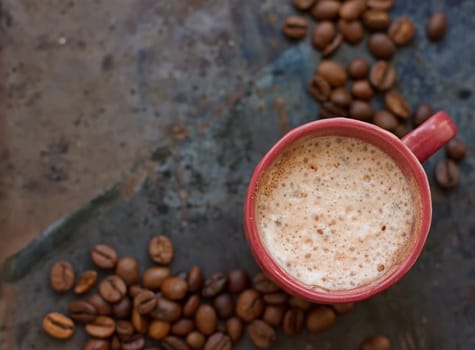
(177, 101)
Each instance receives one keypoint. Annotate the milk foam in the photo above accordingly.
(335, 212)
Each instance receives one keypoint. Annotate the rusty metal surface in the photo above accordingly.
(192, 186)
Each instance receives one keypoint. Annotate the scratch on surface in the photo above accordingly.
(280, 107)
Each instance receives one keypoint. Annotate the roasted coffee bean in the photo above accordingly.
(326, 10)
(331, 48)
(102, 327)
(275, 298)
(263, 284)
(320, 318)
(86, 282)
(124, 329)
(361, 110)
(361, 89)
(145, 302)
(82, 311)
(135, 342)
(249, 305)
(153, 277)
(183, 327)
(58, 326)
(158, 329)
(140, 322)
(122, 309)
(351, 10)
(134, 290)
(206, 320)
(238, 280)
(174, 288)
(214, 285)
(102, 307)
(397, 104)
(218, 341)
(112, 289)
(380, 4)
(61, 276)
(299, 303)
(330, 110)
(382, 75)
(319, 88)
(381, 46)
(196, 340)
(402, 30)
(401, 130)
(385, 120)
(351, 31)
(224, 305)
(377, 342)
(456, 150)
(191, 305)
(341, 97)
(262, 335)
(436, 26)
(295, 27)
(303, 5)
(294, 321)
(332, 72)
(358, 68)
(343, 308)
(376, 20)
(161, 250)
(128, 269)
(166, 310)
(115, 343)
(423, 112)
(174, 343)
(323, 34)
(447, 174)
(97, 344)
(195, 279)
(234, 328)
(104, 257)
(273, 314)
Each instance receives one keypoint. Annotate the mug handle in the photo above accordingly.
(430, 136)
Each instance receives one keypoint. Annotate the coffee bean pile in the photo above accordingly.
(160, 310)
(348, 91)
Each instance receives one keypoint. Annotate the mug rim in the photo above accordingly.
(276, 273)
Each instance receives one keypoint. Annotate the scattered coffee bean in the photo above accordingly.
(122, 309)
(97, 344)
(436, 26)
(341, 97)
(140, 322)
(224, 305)
(294, 321)
(447, 174)
(401, 130)
(358, 69)
(238, 280)
(135, 342)
(102, 307)
(112, 289)
(343, 308)
(195, 279)
(361, 89)
(249, 305)
(82, 311)
(124, 329)
(134, 290)
(196, 340)
(381, 46)
(161, 250)
(104, 257)
(275, 298)
(332, 72)
(86, 282)
(183, 327)
(397, 104)
(62, 276)
(323, 34)
(128, 269)
(330, 109)
(263, 284)
(153, 277)
(456, 150)
(102, 327)
(234, 328)
(262, 335)
(58, 326)
(273, 314)
(326, 10)
(206, 320)
(295, 27)
(383, 75)
(402, 30)
(333, 46)
(218, 341)
(351, 10)
(361, 110)
(320, 318)
(376, 20)
(145, 302)
(351, 31)
(299, 303)
(378, 342)
(174, 288)
(303, 5)
(380, 4)
(158, 329)
(319, 88)
(191, 305)
(115, 343)
(385, 120)
(166, 310)
(423, 112)
(214, 285)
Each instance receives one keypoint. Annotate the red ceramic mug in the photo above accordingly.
(408, 154)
